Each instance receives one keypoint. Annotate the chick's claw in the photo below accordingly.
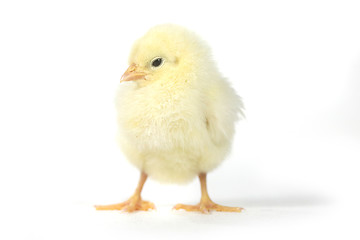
(130, 205)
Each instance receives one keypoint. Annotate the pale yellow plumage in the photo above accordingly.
(178, 120)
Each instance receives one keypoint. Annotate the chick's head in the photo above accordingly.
(167, 53)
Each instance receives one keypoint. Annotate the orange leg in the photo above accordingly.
(134, 203)
(206, 204)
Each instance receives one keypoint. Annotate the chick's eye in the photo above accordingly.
(156, 62)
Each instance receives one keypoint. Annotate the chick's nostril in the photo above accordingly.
(132, 68)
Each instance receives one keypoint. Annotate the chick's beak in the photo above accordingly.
(132, 74)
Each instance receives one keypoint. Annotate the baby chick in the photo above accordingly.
(176, 114)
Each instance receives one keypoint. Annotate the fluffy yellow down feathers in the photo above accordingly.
(178, 121)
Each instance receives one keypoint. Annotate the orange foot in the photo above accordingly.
(133, 204)
(206, 207)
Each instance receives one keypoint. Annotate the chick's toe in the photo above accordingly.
(131, 205)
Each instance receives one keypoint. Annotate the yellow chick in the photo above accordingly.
(176, 114)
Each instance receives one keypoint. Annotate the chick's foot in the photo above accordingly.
(206, 204)
(206, 207)
(131, 205)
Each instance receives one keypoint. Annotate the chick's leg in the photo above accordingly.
(134, 203)
(206, 204)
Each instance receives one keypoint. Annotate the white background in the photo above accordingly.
(295, 161)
